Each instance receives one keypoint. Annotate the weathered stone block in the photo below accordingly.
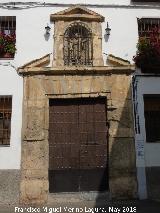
(122, 103)
(121, 86)
(34, 174)
(35, 155)
(122, 169)
(86, 85)
(34, 124)
(120, 132)
(106, 85)
(122, 115)
(123, 187)
(34, 87)
(122, 157)
(39, 103)
(34, 192)
(96, 84)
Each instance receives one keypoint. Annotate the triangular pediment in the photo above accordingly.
(117, 61)
(77, 12)
(40, 62)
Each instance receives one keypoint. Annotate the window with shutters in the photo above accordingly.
(147, 57)
(7, 36)
(5, 119)
(148, 26)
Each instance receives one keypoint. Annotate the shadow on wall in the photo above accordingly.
(121, 161)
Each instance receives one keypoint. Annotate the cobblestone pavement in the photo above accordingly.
(146, 206)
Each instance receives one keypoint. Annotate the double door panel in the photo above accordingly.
(78, 145)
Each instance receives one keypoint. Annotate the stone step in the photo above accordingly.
(68, 197)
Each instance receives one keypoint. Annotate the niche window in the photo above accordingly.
(78, 48)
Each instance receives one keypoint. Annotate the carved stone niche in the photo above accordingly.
(91, 21)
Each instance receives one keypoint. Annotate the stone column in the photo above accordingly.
(58, 44)
(122, 162)
(34, 165)
(97, 44)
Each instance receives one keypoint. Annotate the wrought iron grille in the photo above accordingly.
(78, 47)
(147, 25)
(8, 24)
(5, 119)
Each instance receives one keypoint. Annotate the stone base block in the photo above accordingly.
(33, 192)
(123, 188)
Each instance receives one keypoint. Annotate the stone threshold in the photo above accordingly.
(71, 197)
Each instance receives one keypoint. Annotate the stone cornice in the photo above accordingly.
(81, 17)
(77, 70)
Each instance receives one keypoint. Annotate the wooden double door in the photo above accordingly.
(78, 145)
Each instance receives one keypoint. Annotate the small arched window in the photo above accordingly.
(78, 48)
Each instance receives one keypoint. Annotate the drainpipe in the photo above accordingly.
(139, 144)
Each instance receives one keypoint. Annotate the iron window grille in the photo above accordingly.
(152, 117)
(7, 36)
(5, 119)
(8, 25)
(147, 25)
(78, 45)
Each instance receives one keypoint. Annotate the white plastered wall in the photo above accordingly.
(12, 84)
(147, 154)
(147, 85)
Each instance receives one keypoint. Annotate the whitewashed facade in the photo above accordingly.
(31, 43)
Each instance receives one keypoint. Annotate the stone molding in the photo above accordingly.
(128, 69)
